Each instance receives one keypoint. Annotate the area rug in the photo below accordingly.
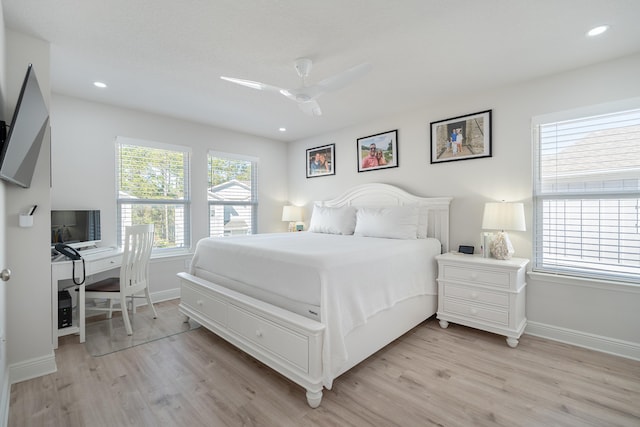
(104, 336)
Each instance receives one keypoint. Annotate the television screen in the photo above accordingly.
(21, 148)
(77, 228)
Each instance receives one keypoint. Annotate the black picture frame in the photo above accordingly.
(321, 161)
(386, 146)
(474, 130)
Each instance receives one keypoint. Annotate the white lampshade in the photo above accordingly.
(292, 213)
(503, 216)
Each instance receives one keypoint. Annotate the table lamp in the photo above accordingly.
(292, 214)
(503, 216)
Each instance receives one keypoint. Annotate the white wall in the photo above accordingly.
(29, 350)
(83, 169)
(595, 317)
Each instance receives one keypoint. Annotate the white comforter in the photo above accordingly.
(350, 278)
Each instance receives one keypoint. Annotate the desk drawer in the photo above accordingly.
(470, 311)
(103, 264)
(210, 307)
(472, 294)
(285, 343)
(492, 278)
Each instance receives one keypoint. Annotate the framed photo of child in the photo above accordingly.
(378, 151)
(461, 138)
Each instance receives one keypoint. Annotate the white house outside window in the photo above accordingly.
(587, 194)
(152, 181)
(232, 194)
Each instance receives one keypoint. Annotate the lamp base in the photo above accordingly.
(501, 247)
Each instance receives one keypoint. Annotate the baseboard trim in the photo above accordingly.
(165, 295)
(627, 349)
(159, 297)
(32, 368)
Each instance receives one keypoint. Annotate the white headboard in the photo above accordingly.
(437, 208)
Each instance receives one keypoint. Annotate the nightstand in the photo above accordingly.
(483, 293)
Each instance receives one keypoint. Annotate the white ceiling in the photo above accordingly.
(167, 56)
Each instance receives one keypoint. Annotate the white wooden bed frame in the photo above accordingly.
(292, 344)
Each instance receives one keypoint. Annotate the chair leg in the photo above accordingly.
(148, 295)
(125, 315)
(110, 313)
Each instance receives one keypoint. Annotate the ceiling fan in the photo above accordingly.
(305, 95)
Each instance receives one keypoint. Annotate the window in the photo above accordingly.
(232, 194)
(587, 194)
(153, 188)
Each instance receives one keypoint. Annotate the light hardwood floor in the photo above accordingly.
(430, 376)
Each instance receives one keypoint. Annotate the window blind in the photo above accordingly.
(153, 188)
(587, 196)
(232, 194)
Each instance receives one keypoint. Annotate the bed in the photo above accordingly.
(312, 305)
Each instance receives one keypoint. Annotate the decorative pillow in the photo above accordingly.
(394, 222)
(333, 220)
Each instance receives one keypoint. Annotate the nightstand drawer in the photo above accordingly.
(476, 295)
(475, 275)
(497, 316)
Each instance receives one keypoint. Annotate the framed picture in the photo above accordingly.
(321, 161)
(378, 151)
(461, 138)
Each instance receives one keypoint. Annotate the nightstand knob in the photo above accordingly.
(258, 333)
(474, 311)
(474, 295)
(474, 276)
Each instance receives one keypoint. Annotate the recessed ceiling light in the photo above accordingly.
(100, 85)
(596, 31)
(282, 129)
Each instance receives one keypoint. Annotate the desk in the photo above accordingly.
(62, 270)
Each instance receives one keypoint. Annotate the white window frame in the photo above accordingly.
(253, 202)
(184, 203)
(544, 197)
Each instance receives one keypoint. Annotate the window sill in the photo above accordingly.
(171, 253)
(585, 282)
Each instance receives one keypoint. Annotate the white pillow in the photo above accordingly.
(333, 220)
(394, 222)
(423, 222)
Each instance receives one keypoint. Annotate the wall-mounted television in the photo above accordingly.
(21, 146)
(76, 228)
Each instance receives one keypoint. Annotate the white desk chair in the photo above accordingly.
(134, 275)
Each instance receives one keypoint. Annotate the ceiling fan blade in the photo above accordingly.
(310, 107)
(252, 84)
(343, 79)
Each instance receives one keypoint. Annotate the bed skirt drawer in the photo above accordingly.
(496, 316)
(283, 342)
(212, 308)
(471, 294)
